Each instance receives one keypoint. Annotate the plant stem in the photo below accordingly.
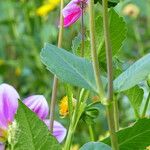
(94, 53)
(146, 106)
(80, 106)
(91, 133)
(82, 30)
(70, 99)
(109, 108)
(55, 81)
(116, 114)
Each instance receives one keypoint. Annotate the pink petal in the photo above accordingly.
(71, 13)
(38, 104)
(59, 131)
(8, 104)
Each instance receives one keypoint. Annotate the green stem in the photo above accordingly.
(91, 133)
(55, 83)
(146, 106)
(70, 99)
(116, 114)
(110, 107)
(94, 53)
(138, 39)
(75, 119)
(82, 30)
(111, 124)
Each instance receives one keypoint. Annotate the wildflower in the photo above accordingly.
(73, 11)
(38, 104)
(64, 108)
(8, 108)
(1, 62)
(18, 71)
(131, 10)
(2, 147)
(46, 8)
(58, 130)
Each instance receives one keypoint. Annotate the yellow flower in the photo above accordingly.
(64, 108)
(18, 72)
(46, 8)
(1, 62)
(131, 10)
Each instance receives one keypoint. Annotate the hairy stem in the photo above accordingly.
(55, 81)
(109, 108)
(94, 52)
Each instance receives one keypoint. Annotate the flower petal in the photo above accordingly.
(8, 104)
(2, 146)
(38, 104)
(59, 131)
(71, 13)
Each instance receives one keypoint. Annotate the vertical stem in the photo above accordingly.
(91, 133)
(146, 106)
(109, 108)
(55, 82)
(94, 52)
(116, 114)
(82, 30)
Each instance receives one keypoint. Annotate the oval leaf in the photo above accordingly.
(136, 73)
(69, 68)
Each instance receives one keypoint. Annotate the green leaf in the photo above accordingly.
(95, 146)
(33, 134)
(136, 73)
(135, 137)
(69, 68)
(135, 96)
(117, 33)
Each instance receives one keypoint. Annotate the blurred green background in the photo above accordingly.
(23, 33)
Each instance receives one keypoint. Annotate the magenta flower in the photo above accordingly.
(73, 11)
(9, 105)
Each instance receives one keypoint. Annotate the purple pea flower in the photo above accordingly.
(9, 105)
(39, 105)
(2, 147)
(73, 11)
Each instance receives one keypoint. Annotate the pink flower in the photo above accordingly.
(38, 104)
(73, 11)
(8, 108)
(8, 105)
